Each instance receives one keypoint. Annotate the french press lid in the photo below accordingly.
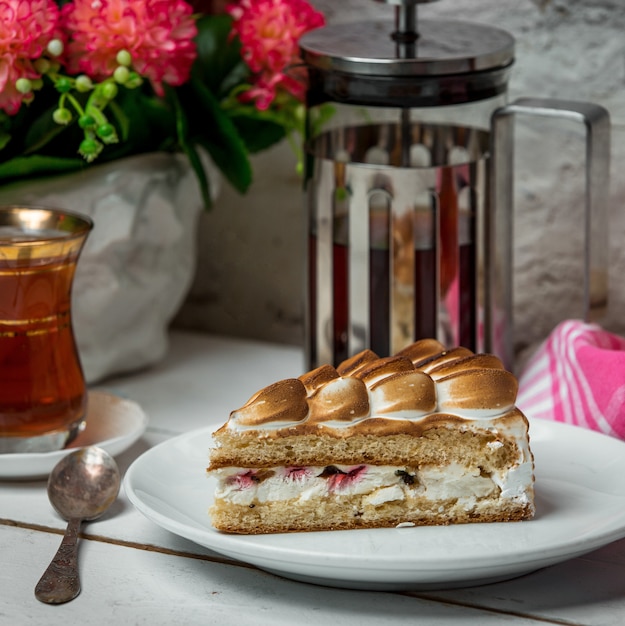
(408, 63)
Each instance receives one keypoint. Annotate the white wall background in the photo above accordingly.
(250, 279)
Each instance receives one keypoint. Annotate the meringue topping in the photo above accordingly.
(281, 401)
(423, 381)
(407, 393)
(343, 399)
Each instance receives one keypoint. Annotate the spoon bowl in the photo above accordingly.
(84, 484)
(81, 487)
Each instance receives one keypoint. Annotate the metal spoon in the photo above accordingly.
(81, 487)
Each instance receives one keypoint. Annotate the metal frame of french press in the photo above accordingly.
(497, 221)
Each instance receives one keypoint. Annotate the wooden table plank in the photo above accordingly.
(122, 585)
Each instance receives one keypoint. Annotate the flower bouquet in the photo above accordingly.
(84, 81)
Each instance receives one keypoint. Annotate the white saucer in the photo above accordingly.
(580, 501)
(112, 423)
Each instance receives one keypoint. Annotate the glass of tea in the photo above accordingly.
(43, 396)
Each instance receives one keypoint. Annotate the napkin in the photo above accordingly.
(577, 376)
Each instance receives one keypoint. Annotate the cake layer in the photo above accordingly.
(434, 439)
(350, 513)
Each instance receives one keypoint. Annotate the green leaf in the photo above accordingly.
(211, 127)
(198, 168)
(258, 133)
(121, 120)
(36, 165)
(182, 128)
(41, 132)
(219, 64)
(144, 123)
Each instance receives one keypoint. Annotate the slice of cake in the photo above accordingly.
(429, 436)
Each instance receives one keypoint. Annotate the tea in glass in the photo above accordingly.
(43, 394)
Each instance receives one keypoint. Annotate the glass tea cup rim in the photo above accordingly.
(40, 221)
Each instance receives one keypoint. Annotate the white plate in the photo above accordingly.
(580, 497)
(112, 423)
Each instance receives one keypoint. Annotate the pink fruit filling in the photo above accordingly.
(338, 479)
(297, 473)
(248, 479)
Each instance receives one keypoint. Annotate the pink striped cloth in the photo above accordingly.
(577, 376)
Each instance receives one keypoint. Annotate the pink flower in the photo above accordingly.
(269, 31)
(26, 27)
(157, 33)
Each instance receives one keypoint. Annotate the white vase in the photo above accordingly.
(139, 260)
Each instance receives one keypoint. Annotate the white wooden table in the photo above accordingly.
(134, 572)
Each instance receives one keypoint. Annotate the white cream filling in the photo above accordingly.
(517, 482)
(301, 483)
(378, 484)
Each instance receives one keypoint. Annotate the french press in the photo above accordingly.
(409, 176)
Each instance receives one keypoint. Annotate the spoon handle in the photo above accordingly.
(61, 582)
